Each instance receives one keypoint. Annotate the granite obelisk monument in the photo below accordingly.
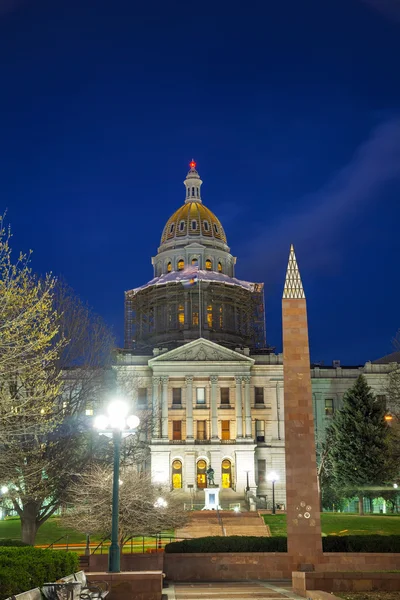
(302, 495)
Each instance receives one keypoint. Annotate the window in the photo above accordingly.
(181, 264)
(169, 267)
(181, 225)
(209, 316)
(382, 399)
(201, 430)
(200, 395)
(224, 395)
(171, 229)
(195, 318)
(329, 408)
(176, 430)
(142, 396)
(260, 431)
(225, 430)
(181, 315)
(195, 261)
(221, 317)
(206, 226)
(176, 395)
(192, 191)
(208, 264)
(261, 468)
(89, 412)
(194, 225)
(259, 395)
(216, 228)
(198, 192)
(219, 267)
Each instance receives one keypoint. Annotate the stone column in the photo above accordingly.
(189, 407)
(247, 409)
(164, 407)
(239, 412)
(214, 413)
(302, 496)
(156, 408)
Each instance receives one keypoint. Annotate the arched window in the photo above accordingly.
(194, 225)
(206, 226)
(208, 265)
(177, 474)
(195, 261)
(181, 315)
(171, 229)
(181, 225)
(219, 267)
(192, 191)
(216, 228)
(169, 267)
(198, 192)
(181, 264)
(209, 316)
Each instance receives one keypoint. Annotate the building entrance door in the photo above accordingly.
(201, 474)
(176, 474)
(226, 473)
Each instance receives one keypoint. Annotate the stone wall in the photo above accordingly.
(344, 581)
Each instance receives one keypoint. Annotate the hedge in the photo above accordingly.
(22, 569)
(239, 543)
(11, 542)
(361, 543)
(231, 543)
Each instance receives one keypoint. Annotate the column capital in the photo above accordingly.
(156, 379)
(238, 378)
(214, 379)
(164, 379)
(189, 379)
(247, 378)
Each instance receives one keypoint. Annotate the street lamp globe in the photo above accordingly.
(273, 477)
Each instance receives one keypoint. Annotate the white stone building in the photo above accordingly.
(195, 348)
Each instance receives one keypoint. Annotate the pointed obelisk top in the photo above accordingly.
(293, 287)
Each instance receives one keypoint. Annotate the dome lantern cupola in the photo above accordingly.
(193, 184)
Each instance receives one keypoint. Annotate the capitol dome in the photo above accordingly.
(193, 220)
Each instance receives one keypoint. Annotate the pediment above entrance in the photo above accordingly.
(201, 350)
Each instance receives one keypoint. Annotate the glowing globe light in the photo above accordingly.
(133, 421)
(101, 422)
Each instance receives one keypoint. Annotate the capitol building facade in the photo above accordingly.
(196, 356)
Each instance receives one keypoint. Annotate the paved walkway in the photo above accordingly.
(242, 590)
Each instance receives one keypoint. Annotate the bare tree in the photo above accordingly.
(144, 508)
(55, 359)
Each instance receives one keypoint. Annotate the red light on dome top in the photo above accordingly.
(192, 164)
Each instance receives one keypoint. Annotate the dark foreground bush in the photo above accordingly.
(241, 543)
(231, 543)
(361, 543)
(5, 542)
(22, 569)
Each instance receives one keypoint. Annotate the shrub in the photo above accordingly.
(239, 543)
(10, 542)
(24, 568)
(361, 543)
(232, 543)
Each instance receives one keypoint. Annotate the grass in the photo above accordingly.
(51, 531)
(343, 524)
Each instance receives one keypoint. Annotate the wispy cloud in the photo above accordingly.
(323, 216)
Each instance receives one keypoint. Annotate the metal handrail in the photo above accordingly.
(55, 542)
(101, 544)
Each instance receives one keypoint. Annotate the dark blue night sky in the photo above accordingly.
(290, 108)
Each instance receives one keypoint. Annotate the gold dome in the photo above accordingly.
(193, 220)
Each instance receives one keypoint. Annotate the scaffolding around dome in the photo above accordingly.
(166, 313)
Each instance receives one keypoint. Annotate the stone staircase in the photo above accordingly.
(209, 522)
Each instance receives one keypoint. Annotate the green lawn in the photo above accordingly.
(343, 524)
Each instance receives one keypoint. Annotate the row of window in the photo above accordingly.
(200, 396)
(193, 226)
(202, 432)
(181, 265)
(329, 407)
(225, 393)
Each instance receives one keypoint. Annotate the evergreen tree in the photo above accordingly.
(360, 450)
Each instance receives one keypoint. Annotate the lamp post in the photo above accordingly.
(273, 477)
(116, 424)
